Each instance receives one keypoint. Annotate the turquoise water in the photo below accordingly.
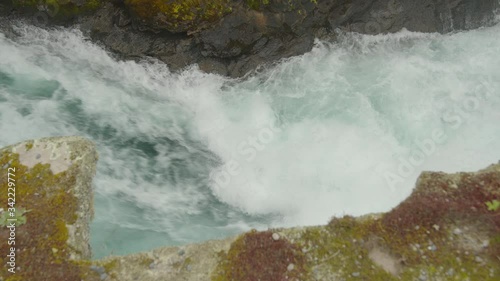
(344, 129)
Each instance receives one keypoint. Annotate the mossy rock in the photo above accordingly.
(444, 231)
(179, 15)
(448, 229)
(52, 180)
(262, 256)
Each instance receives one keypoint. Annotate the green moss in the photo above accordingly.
(29, 145)
(146, 261)
(340, 250)
(110, 265)
(14, 278)
(179, 15)
(343, 249)
(257, 4)
(184, 264)
(419, 234)
(44, 253)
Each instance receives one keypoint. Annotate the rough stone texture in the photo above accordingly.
(193, 262)
(451, 237)
(246, 38)
(448, 229)
(53, 182)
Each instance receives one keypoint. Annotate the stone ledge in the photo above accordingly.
(447, 229)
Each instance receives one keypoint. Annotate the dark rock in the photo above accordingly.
(213, 66)
(246, 38)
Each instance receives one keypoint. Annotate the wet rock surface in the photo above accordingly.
(245, 36)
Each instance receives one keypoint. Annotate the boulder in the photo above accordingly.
(47, 188)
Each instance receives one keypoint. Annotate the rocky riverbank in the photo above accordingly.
(448, 229)
(237, 37)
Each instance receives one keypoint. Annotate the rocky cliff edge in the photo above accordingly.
(237, 37)
(447, 229)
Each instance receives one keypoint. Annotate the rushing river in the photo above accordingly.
(344, 129)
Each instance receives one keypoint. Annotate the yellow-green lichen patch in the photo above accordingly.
(259, 256)
(179, 15)
(184, 264)
(342, 250)
(256, 4)
(443, 231)
(29, 145)
(42, 251)
(364, 249)
(109, 266)
(145, 261)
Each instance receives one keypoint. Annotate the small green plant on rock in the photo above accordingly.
(17, 216)
(493, 205)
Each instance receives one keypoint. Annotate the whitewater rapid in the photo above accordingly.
(344, 129)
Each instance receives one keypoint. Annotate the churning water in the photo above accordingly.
(344, 129)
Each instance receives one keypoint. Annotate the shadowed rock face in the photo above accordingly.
(243, 36)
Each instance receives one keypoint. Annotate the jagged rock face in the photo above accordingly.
(248, 33)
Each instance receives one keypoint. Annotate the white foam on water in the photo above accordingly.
(347, 128)
(344, 129)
